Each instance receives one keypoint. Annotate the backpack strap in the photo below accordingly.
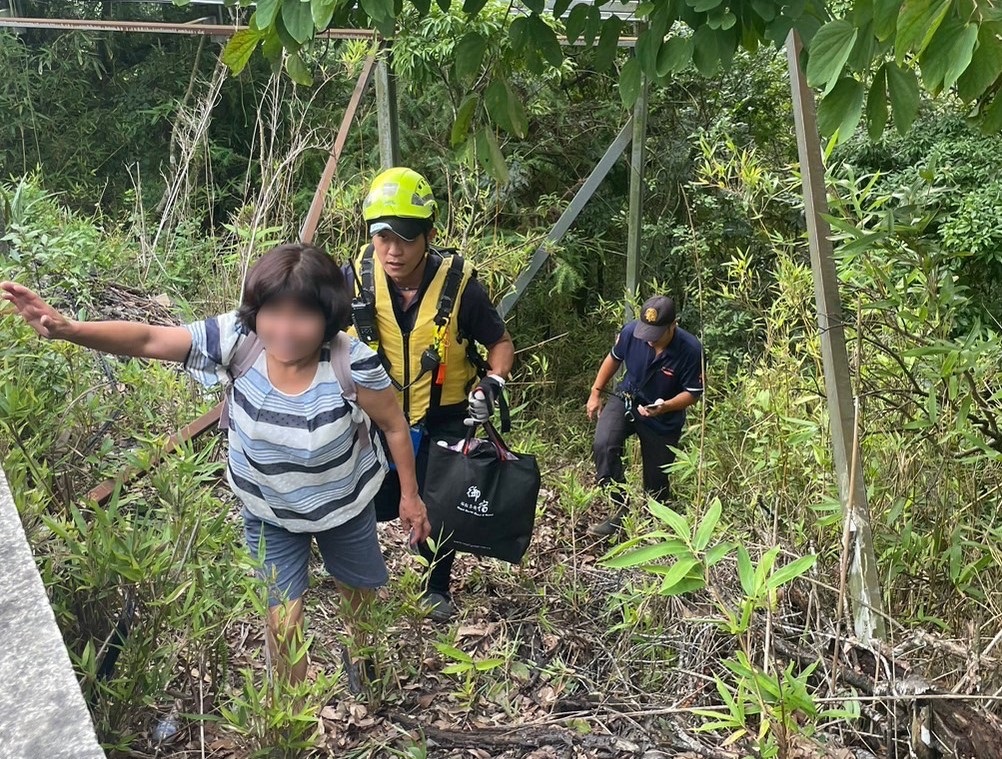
(248, 348)
(340, 348)
(447, 301)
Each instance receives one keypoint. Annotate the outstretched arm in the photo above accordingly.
(119, 338)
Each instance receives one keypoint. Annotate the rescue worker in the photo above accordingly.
(664, 376)
(424, 311)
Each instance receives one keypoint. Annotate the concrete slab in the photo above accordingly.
(42, 712)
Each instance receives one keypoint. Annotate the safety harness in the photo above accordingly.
(363, 312)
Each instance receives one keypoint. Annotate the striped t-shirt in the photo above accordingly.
(294, 460)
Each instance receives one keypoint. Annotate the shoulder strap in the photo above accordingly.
(248, 348)
(365, 272)
(449, 299)
(341, 364)
(340, 349)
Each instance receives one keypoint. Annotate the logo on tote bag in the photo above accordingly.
(473, 505)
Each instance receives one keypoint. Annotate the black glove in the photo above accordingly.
(483, 398)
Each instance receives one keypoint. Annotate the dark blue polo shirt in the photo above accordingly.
(677, 369)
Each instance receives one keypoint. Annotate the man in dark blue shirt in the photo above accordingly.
(664, 376)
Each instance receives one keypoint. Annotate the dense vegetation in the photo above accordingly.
(147, 185)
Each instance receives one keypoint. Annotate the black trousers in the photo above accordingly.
(387, 502)
(614, 429)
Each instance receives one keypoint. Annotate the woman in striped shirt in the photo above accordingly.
(302, 459)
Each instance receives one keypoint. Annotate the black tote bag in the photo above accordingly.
(482, 497)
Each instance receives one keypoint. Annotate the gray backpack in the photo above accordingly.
(250, 347)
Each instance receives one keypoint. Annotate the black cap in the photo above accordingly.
(657, 315)
(402, 227)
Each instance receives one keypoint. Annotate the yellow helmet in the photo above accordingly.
(400, 192)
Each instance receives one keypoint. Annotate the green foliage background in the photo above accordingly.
(87, 207)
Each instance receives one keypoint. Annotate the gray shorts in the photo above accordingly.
(350, 551)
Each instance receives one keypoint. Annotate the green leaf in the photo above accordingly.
(489, 154)
(518, 34)
(791, 571)
(876, 105)
(645, 555)
(272, 47)
(865, 50)
(464, 117)
(678, 572)
(608, 41)
(454, 653)
(486, 665)
(828, 53)
(685, 585)
(576, 21)
(546, 41)
(422, 7)
(496, 100)
(918, 21)
(885, 18)
(675, 521)
(702, 6)
(298, 71)
(444, 5)
(298, 20)
(630, 82)
(990, 118)
(717, 553)
(646, 51)
(764, 568)
(963, 51)
(473, 7)
(265, 13)
(706, 51)
(378, 10)
(239, 49)
(948, 55)
(746, 572)
(765, 10)
(469, 55)
(903, 90)
(594, 26)
(560, 8)
(707, 525)
(505, 109)
(986, 63)
(674, 55)
(841, 110)
(322, 12)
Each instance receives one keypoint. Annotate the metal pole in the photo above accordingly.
(320, 196)
(635, 232)
(386, 111)
(864, 585)
(612, 153)
(156, 27)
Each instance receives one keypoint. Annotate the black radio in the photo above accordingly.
(363, 316)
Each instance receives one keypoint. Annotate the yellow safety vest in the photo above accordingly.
(402, 353)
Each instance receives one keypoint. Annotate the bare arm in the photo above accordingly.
(120, 338)
(501, 356)
(606, 372)
(384, 410)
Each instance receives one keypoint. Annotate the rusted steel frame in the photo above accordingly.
(155, 27)
(317, 206)
(192, 431)
(208, 421)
